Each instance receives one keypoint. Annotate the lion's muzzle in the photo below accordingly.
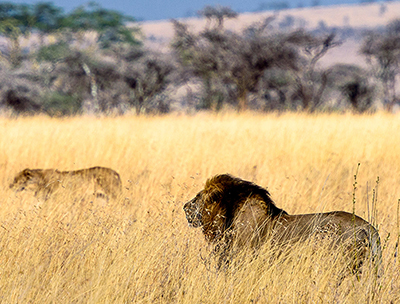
(192, 212)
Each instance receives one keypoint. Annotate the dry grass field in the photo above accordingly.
(73, 248)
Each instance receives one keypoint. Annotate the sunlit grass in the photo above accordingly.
(139, 248)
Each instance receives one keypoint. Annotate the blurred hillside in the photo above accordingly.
(353, 20)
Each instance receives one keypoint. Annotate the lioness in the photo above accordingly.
(234, 211)
(45, 182)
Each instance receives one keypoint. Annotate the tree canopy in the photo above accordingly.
(18, 20)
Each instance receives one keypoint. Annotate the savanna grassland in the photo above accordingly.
(139, 248)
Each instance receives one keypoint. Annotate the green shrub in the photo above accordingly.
(58, 104)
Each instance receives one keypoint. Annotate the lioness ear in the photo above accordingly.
(28, 173)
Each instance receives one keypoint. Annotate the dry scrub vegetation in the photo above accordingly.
(139, 248)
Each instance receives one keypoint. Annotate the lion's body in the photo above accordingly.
(101, 180)
(233, 211)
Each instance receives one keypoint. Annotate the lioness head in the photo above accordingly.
(27, 179)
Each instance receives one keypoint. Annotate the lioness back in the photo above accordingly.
(44, 182)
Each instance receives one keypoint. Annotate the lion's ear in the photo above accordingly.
(213, 196)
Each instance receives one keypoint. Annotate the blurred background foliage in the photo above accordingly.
(94, 61)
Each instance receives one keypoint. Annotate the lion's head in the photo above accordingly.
(221, 201)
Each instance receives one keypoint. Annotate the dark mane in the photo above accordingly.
(232, 190)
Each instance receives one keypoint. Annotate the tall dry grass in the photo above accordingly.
(139, 249)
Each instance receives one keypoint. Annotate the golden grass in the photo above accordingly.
(139, 249)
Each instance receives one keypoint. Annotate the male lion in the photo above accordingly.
(234, 211)
(45, 182)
